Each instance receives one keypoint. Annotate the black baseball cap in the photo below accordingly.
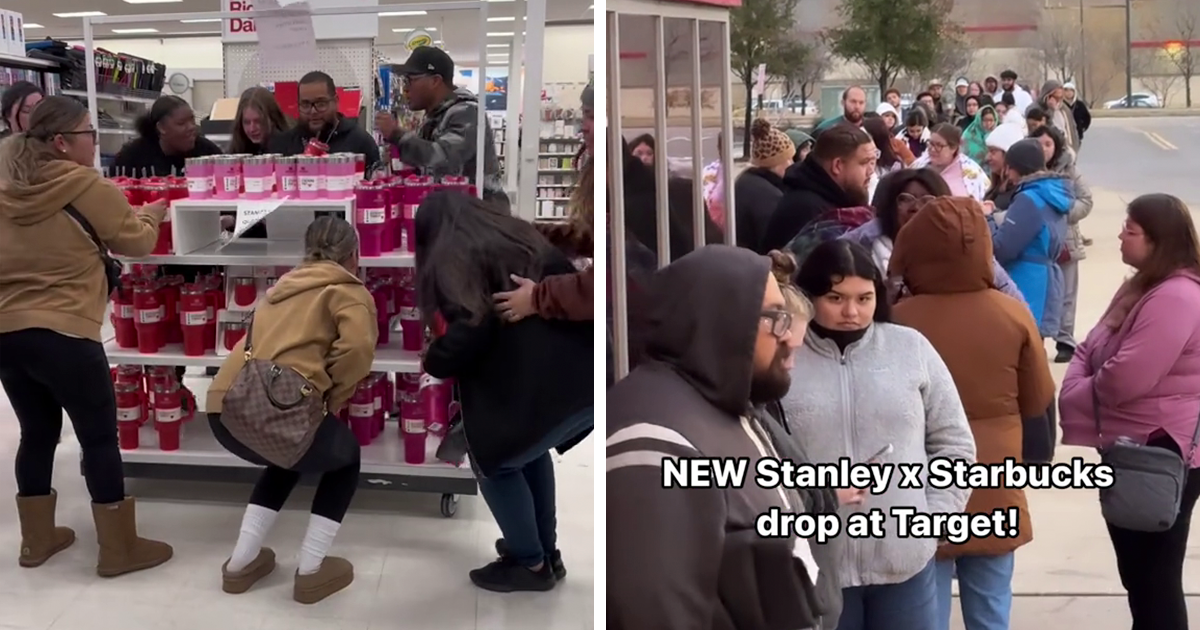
(429, 60)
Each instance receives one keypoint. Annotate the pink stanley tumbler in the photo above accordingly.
(370, 203)
(362, 413)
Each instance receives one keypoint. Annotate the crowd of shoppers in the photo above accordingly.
(923, 260)
(512, 303)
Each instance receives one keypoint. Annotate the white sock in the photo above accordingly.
(317, 541)
(256, 522)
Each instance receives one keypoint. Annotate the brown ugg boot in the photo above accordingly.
(237, 582)
(334, 575)
(40, 538)
(121, 549)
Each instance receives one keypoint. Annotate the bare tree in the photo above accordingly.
(1163, 85)
(812, 73)
(953, 59)
(1059, 45)
(1179, 25)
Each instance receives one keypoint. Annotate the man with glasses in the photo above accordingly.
(322, 129)
(446, 141)
(719, 347)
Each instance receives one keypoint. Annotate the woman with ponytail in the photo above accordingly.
(58, 220)
(759, 188)
(167, 135)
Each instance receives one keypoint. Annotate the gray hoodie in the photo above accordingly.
(890, 387)
(445, 143)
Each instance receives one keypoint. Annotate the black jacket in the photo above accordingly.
(689, 558)
(347, 137)
(809, 191)
(144, 157)
(446, 142)
(1083, 117)
(516, 382)
(757, 192)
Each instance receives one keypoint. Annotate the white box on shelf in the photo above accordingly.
(6, 35)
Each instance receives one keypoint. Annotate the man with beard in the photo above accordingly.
(322, 129)
(691, 557)
(1008, 85)
(854, 105)
(835, 175)
(939, 105)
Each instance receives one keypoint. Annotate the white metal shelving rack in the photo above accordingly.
(196, 233)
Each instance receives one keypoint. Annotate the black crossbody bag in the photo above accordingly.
(112, 268)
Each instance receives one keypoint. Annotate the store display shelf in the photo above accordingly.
(556, 170)
(201, 458)
(337, 205)
(557, 154)
(260, 252)
(9, 60)
(106, 96)
(388, 358)
(112, 131)
(563, 199)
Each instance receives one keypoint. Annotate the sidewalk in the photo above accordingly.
(1067, 577)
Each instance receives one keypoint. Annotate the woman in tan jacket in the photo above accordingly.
(944, 255)
(318, 320)
(53, 294)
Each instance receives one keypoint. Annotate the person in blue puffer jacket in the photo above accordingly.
(1029, 240)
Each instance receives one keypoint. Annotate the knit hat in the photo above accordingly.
(1025, 157)
(886, 108)
(769, 147)
(1004, 136)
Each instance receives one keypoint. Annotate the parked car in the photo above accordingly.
(1135, 100)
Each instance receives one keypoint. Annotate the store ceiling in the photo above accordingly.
(458, 30)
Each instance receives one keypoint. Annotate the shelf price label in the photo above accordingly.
(250, 213)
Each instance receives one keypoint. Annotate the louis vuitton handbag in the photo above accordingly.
(272, 409)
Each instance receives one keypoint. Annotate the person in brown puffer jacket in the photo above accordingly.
(944, 254)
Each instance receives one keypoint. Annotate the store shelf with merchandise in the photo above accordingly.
(198, 238)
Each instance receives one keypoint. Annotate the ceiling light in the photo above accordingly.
(501, 0)
(502, 19)
(395, 13)
(409, 30)
(134, 31)
(80, 14)
(151, 1)
(500, 34)
(202, 21)
(497, 45)
(32, 25)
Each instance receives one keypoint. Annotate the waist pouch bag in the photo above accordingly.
(1147, 482)
(272, 409)
(453, 449)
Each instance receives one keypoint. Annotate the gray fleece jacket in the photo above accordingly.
(890, 387)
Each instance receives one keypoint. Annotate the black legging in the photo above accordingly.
(45, 373)
(334, 454)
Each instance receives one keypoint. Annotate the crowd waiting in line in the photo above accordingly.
(511, 311)
(848, 318)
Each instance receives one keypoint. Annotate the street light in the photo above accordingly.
(1128, 53)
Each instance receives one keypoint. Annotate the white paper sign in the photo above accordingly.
(249, 213)
(286, 38)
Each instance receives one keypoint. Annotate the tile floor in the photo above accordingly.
(410, 563)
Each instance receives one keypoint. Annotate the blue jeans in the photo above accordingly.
(520, 494)
(909, 605)
(984, 589)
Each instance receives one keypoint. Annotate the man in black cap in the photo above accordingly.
(446, 141)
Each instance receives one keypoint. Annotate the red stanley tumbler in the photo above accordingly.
(123, 319)
(193, 318)
(150, 313)
(171, 409)
(362, 413)
(129, 413)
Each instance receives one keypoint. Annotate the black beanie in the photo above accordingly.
(1025, 157)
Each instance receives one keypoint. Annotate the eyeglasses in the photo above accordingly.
(409, 79)
(319, 105)
(90, 132)
(938, 146)
(906, 201)
(781, 322)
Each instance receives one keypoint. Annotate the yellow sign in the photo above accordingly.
(416, 39)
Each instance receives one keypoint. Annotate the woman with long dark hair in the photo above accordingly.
(53, 297)
(17, 105)
(258, 118)
(873, 389)
(525, 384)
(1137, 376)
(167, 135)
